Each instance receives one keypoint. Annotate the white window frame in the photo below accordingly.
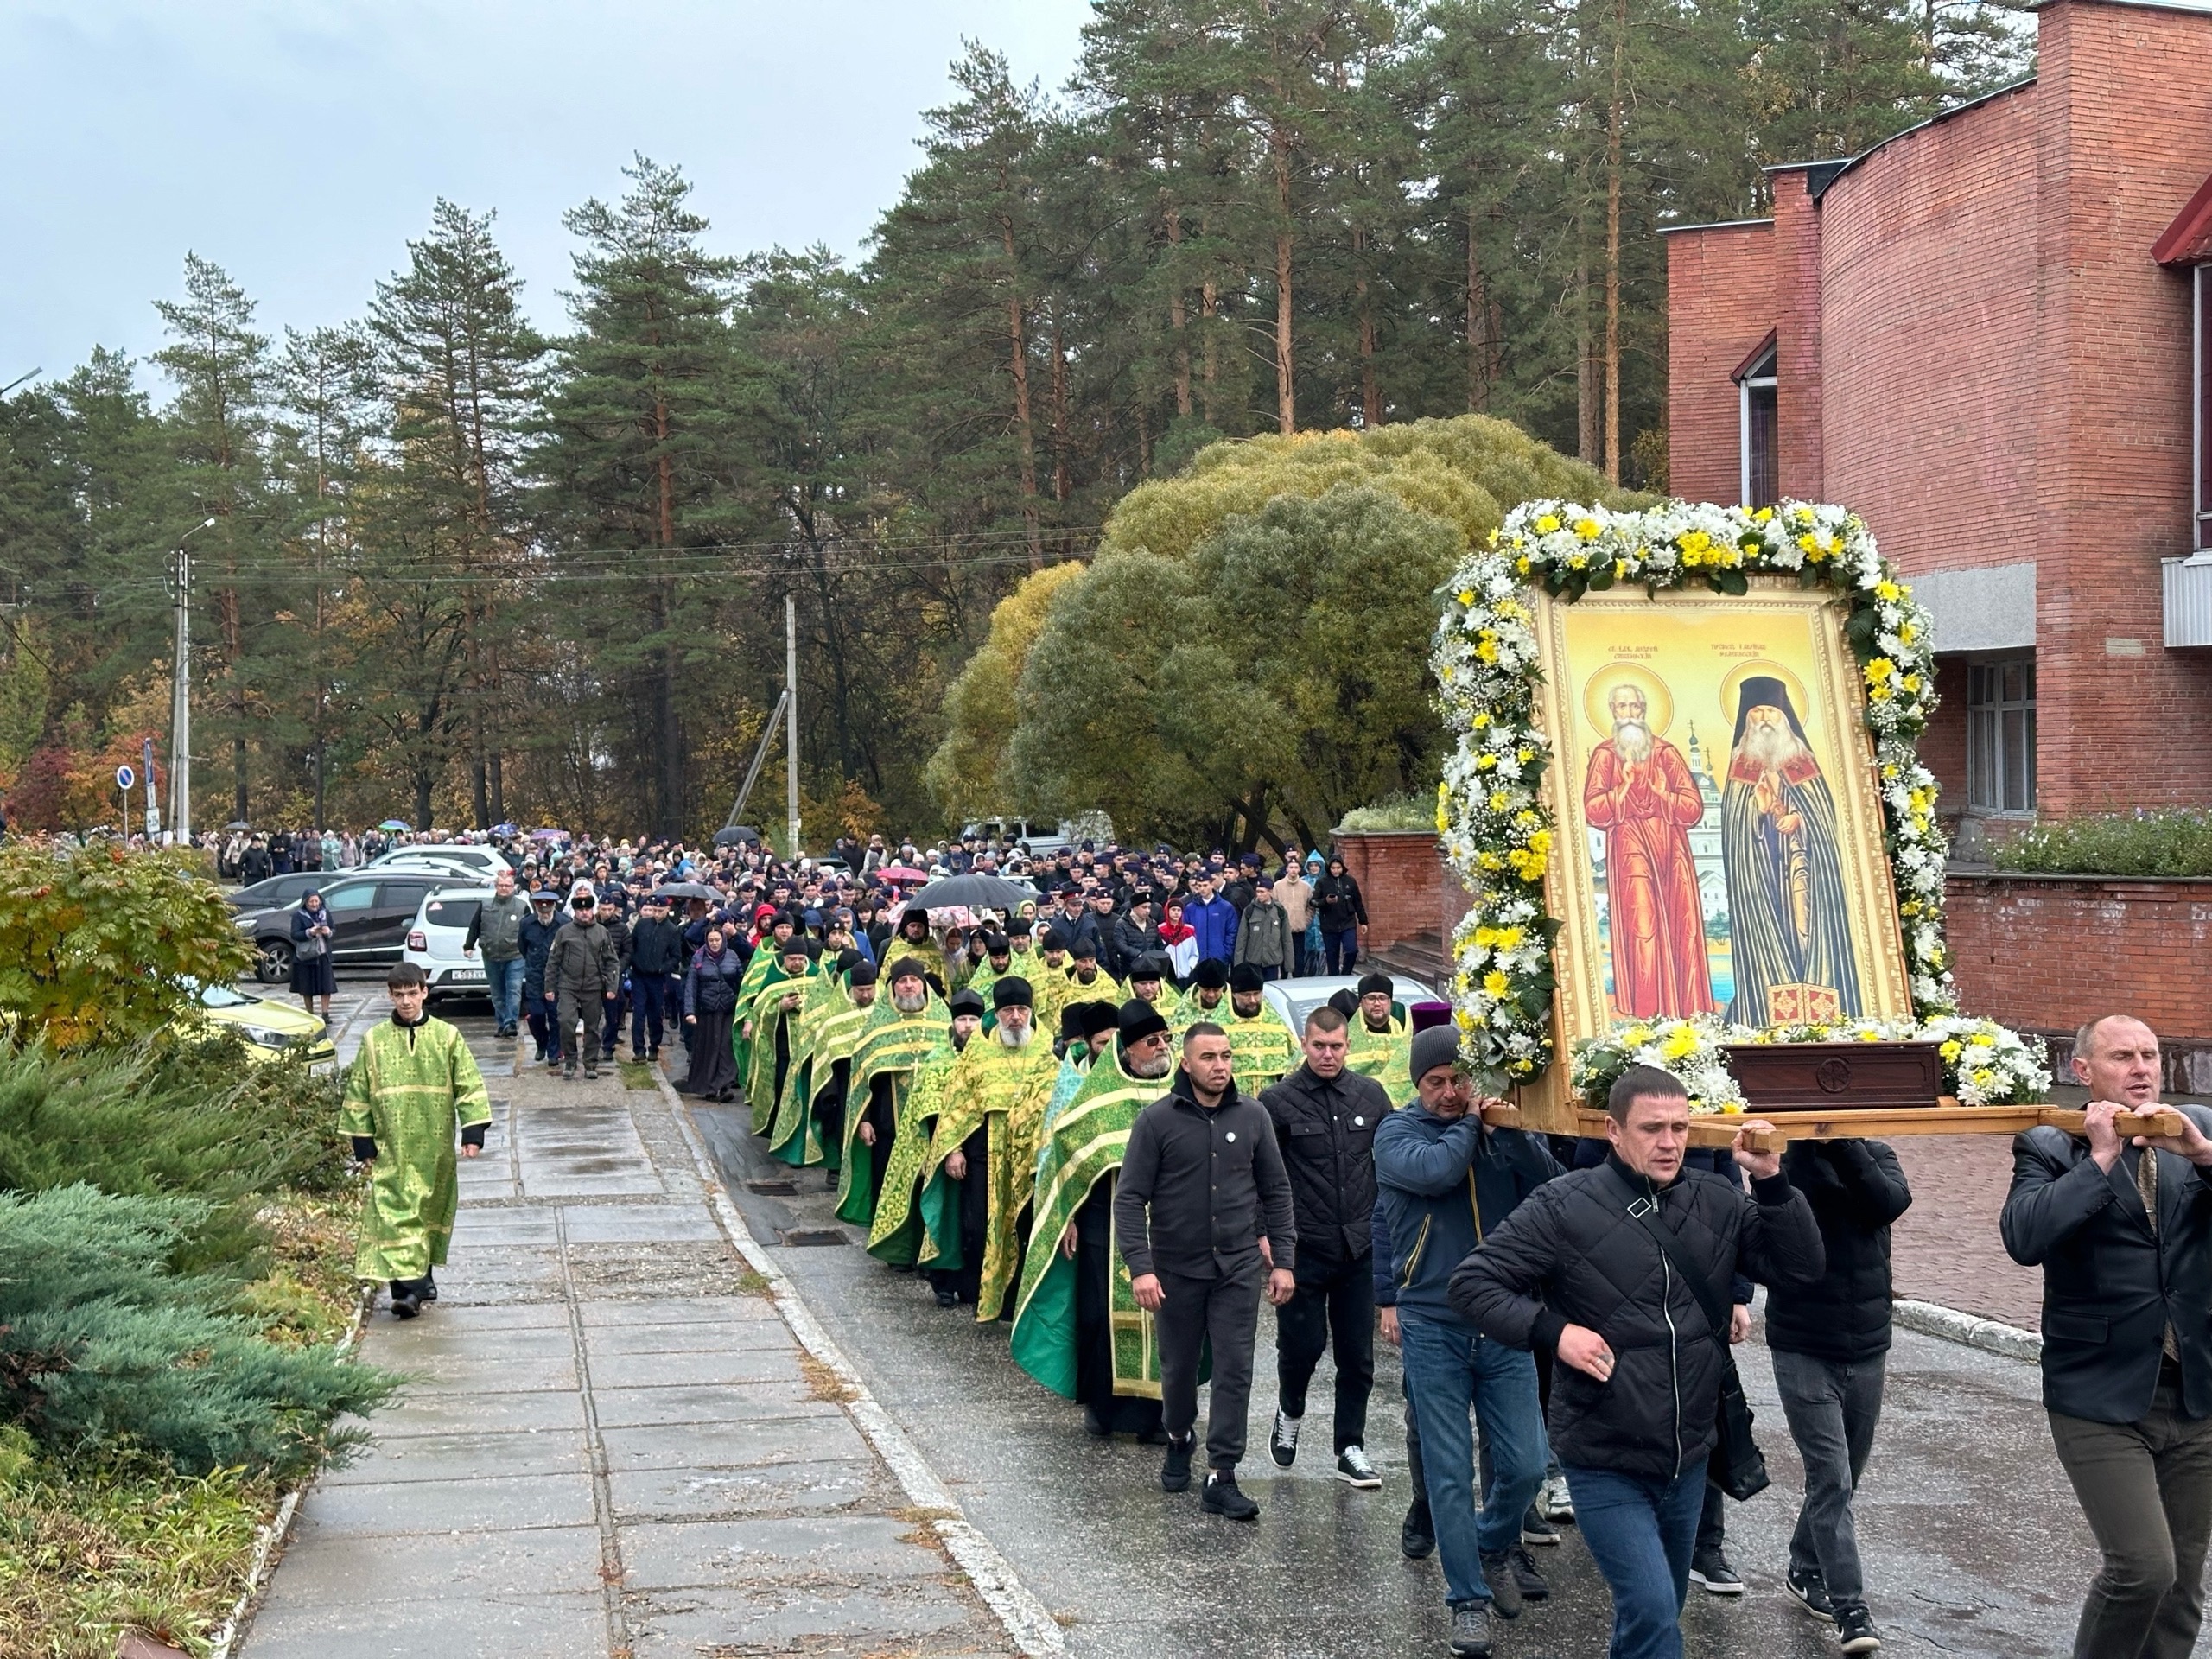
(1744, 388)
(2201, 518)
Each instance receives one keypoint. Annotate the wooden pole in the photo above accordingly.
(1719, 1128)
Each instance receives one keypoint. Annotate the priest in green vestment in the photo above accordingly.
(1077, 1327)
(1261, 1046)
(808, 1129)
(772, 1019)
(413, 1084)
(1148, 983)
(767, 959)
(1206, 997)
(911, 938)
(904, 1027)
(1382, 1044)
(912, 1211)
(984, 1142)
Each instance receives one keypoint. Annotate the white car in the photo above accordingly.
(482, 861)
(1293, 998)
(433, 943)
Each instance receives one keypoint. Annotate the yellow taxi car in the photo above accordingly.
(270, 1030)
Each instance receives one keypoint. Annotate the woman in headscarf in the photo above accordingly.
(709, 1001)
(312, 973)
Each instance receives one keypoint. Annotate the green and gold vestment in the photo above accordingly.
(1003, 1091)
(412, 1089)
(890, 1045)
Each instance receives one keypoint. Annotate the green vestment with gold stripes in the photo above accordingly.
(1003, 1091)
(763, 1088)
(914, 1214)
(412, 1089)
(890, 1045)
(1383, 1056)
(828, 1030)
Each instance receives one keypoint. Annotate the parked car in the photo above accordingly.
(486, 861)
(276, 891)
(269, 1029)
(370, 914)
(1293, 998)
(434, 941)
(1042, 839)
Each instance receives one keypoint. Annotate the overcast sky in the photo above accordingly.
(299, 143)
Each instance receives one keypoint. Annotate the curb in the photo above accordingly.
(1933, 1319)
(1033, 1629)
(269, 1544)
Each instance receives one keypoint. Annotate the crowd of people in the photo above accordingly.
(1047, 1116)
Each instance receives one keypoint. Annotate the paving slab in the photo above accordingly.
(607, 1445)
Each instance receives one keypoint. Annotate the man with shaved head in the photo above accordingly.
(2121, 1226)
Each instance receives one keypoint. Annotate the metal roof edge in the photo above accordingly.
(1941, 115)
(1716, 225)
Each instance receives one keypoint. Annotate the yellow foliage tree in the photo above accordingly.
(966, 776)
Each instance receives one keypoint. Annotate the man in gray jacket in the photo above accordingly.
(497, 932)
(584, 972)
(1202, 1215)
(1263, 935)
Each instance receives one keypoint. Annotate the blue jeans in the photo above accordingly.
(1640, 1532)
(1343, 949)
(505, 979)
(1450, 1367)
(650, 996)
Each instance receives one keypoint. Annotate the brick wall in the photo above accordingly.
(1928, 290)
(1719, 307)
(2120, 150)
(1944, 745)
(1399, 875)
(2046, 953)
(1800, 329)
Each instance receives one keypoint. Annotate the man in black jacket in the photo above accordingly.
(1202, 1215)
(1325, 1119)
(2123, 1233)
(1636, 1393)
(1829, 1343)
(657, 962)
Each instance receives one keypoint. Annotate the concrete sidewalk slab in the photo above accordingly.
(613, 1444)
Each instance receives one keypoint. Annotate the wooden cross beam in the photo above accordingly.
(1719, 1128)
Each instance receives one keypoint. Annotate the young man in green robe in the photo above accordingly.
(773, 1020)
(1076, 1326)
(903, 1028)
(767, 959)
(1148, 983)
(1205, 998)
(830, 1035)
(412, 1084)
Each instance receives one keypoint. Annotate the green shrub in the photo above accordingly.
(102, 1342)
(1392, 815)
(2119, 843)
(195, 1120)
(97, 945)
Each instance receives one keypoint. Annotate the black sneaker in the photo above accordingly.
(948, 1298)
(1536, 1531)
(406, 1303)
(1854, 1627)
(1094, 1426)
(1505, 1587)
(1532, 1583)
(1221, 1498)
(830, 1181)
(1710, 1568)
(1175, 1467)
(1282, 1445)
(1807, 1590)
(1417, 1532)
(429, 1286)
(1470, 1631)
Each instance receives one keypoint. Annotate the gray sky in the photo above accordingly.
(299, 143)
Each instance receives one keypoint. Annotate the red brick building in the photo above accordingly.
(1988, 336)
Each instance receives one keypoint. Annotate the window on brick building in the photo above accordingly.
(2001, 736)
(1759, 434)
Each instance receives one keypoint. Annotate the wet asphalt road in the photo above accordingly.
(1972, 1541)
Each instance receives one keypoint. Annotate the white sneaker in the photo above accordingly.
(1282, 1445)
(1552, 1501)
(1356, 1471)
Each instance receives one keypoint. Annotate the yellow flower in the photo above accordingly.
(1524, 756)
(1888, 590)
(1620, 569)
(1547, 525)
(1762, 515)
(1880, 670)
(1499, 800)
(1681, 1043)
(1984, 1077)
(1521, 567)
(1493, 538)
(1484, 762)
(1541, 844)
(1907, 633)
(1587, 529)
(1951, 1051)
(1637, 1036)
(1486, 648)
(1481, 719)
(1495, 985)
(1464, 1019)
(1508, 939)
(1910, 682)
(1466, 596)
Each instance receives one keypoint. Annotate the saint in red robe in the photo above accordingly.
(1658, 924)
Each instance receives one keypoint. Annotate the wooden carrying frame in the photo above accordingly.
(1719, 1128)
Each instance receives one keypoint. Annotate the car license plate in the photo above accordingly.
(466, 976)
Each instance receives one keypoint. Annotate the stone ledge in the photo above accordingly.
(1989, 1335)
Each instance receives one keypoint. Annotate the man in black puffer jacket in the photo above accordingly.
(1636, 1391)
(1830, 1344)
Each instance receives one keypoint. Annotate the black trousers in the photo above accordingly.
(1223, 1313)
(1117, 1413)
(884, 1114)
(1338, 1308)
(830, 1114)
(965, 1281)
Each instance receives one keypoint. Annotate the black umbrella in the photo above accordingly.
(684, 890)
(975, 892)
(237, 824)
(737, 835)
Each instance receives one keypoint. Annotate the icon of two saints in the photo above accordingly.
(1790, 941)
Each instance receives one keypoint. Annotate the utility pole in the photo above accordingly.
(153, 818)
(181, 701)
(791, 721)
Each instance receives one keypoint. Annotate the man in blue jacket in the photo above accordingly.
(1444, 1182)
(1212, 917)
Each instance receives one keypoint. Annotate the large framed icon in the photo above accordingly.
(1720, 847)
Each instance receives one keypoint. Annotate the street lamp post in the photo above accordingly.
(180, 702)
